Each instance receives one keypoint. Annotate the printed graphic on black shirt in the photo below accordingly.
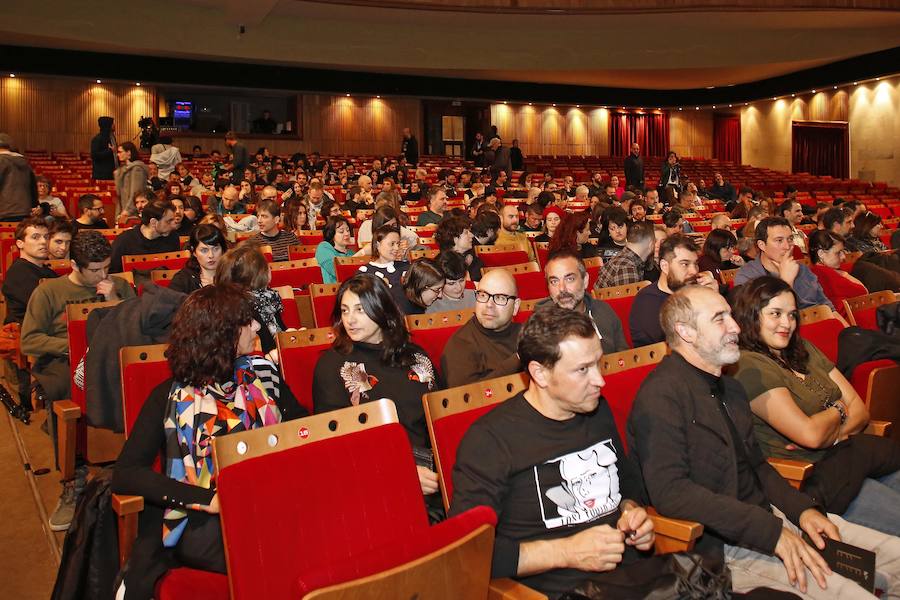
(578, 487)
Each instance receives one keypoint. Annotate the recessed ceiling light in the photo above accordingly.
(554, 104)
(379, 97)
(504, 102)
(793, 95)
(13, 75)
(679, 108)
(814, 91)
(529, 104)
(138, 84)
(746, 104)
(577, 106)
(98, 81)
(878, 79)
(729, 106)
(855, 83)
(714, 105)
(710, 87)
(696, 108)
(348, 95)
(834, 88)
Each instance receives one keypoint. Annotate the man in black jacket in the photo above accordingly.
(18, 185)
(634, 167)
(410, 147)
(103, 149)
(691, 429)
(549, 461)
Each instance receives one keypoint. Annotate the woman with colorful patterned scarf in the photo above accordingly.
(218, 387)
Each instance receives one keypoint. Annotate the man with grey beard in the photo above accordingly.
(691, 429)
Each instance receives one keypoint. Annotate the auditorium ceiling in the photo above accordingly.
(657, 45)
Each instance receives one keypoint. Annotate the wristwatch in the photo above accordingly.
(837, 405)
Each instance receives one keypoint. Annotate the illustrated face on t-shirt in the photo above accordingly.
(579, 487)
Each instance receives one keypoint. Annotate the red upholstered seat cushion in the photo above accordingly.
(396, 552)
(824, 335)
(192, 584)
(449, 432)
(866, 318)
(138, 380)
(622, 308)
(297, 367)
(502, 259)
(531, 285)
(299, 278)
(620, 390)
(433, 341)
(860, 378)
(366, 495)
(323, 306)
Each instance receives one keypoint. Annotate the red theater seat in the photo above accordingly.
(431, 331)
(620, 298)
(299, 352)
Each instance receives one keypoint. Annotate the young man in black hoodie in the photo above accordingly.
(103, 149)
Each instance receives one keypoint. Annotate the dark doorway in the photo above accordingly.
(820, 148)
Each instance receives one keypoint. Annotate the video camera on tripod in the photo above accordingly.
(149, 132)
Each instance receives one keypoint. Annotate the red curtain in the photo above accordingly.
(651, 131)
(820, 148)
(727, 138)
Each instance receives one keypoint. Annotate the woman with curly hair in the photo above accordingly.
(574, 233)
(217, 388)
(805, 409)
(371, 358)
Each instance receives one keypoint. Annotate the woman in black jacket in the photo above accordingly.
(207, 245)
(216, 388)
(372, 358)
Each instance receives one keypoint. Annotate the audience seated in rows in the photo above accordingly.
(718, 255)
(573, 234)
(45, 337)
(807, 410)
(692, 431)
(207, 245)
(217, 387)
(455, 295)
(154, 234)
(336, 239)
(268, 215)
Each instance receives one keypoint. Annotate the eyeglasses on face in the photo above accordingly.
(499, 299)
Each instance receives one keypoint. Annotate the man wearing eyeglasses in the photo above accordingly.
(485, 347)
(91, 207)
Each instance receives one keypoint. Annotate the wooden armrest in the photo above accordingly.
(509, 589)
(795, 471)
(127, 505)
(67, 410)
(674, 535)
(67, 415)
(127, 509)
(679, 529)
(879, 428)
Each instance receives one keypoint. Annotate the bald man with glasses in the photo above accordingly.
(485, 347)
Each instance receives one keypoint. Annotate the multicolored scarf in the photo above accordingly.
(197, 414)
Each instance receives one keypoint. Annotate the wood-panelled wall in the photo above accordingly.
(60, 115)
(543, 129)
(691, 132)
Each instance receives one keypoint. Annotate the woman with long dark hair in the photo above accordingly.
(131, 177)
(207, 245)
(217, 388)
(372, 358)
(867, 228)
(805, 409)
(719, 255)
(423, 284)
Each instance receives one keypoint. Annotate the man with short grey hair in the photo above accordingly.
(691, 429)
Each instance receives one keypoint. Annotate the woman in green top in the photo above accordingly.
(337, 238)
(805, 409)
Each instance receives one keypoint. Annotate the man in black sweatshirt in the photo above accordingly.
(550, 462)
(18, 185)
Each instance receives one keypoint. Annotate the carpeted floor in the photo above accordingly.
(29, 551)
